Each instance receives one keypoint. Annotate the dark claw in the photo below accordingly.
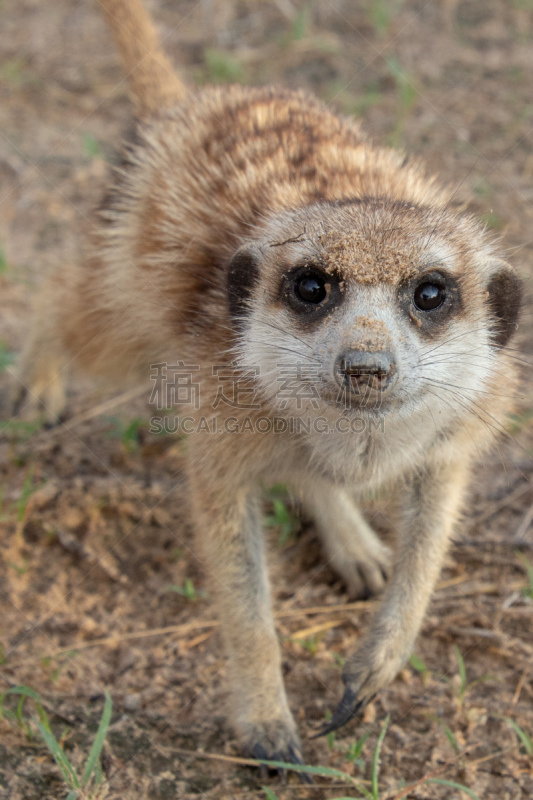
(290, 756)
(347, 708)
(295, 758)
(259, 752)
(281, 772)
(60, 420)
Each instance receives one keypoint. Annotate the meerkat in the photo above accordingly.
(256, 231)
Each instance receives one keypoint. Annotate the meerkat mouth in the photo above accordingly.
(361, 378)
(365, 376)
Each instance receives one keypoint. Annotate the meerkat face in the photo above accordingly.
(372, 307)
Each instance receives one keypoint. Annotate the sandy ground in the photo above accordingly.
(94, 522)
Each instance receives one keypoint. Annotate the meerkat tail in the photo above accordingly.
(153, 81)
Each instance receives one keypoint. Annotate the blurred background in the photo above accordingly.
(94, 532)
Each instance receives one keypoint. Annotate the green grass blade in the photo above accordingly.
(26, 692)
(356, 750)
(453, 785)
(301, 23)
(98, 743)
(447, 731)
(270, 795)
(27, 490)
(451, 738)
(375, 760)
(59, 757)
(20, 708)
(6, 357)
(325, 772)
(98, 775)
(524, 737)
(462, 668)
(417, 663)
(43, 716)
(72, 796)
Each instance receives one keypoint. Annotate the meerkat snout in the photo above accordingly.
(366, 373)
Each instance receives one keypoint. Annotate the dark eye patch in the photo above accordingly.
(505, 298)
(242, 276)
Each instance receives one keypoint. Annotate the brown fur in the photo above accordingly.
(222, 197)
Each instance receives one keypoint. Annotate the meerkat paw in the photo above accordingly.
(372, 667)
(364, 569)
(268, 732)
(275, 740)
(38, 389)
(353, 550)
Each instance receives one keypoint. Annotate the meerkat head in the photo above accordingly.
(373, 306)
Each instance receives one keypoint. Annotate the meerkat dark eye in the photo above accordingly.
(430, 300)
(428, 296)
(311, 286)
(310, 291)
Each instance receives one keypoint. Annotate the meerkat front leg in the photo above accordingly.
(228, 522)
(353, 549)
(431, 505)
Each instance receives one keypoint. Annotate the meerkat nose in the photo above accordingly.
(358, 369)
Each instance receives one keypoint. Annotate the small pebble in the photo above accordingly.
(131, 702)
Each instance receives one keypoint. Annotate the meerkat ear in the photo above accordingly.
(504, 298)
(242, 276)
